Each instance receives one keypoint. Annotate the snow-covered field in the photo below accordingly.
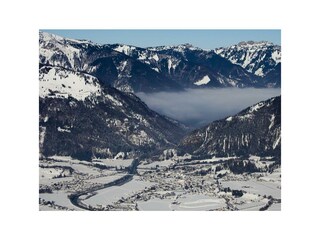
(155, 164)
(275, 207)
(53, 172)
(199, 202)
(112, 194)
(252, 206)
(183, 202)
(113, 176)
(255, 186)
(60, 198)
(114, 162)
(60, 176)
(175, 184)
(155, 205)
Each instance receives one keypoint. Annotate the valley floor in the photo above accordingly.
(175, 184)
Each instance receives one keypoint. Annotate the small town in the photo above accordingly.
(173, 184)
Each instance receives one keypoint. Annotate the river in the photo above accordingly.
(74, 197)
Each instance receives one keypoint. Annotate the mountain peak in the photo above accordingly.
(253, 43)
(258, 58)
(46, 37)
(177, 48)
(187, 45)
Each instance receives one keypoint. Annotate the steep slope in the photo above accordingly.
(80, 117)
(255, 130)
(273, 77)
(256, 57)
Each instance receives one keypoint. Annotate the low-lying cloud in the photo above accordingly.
(198, 107)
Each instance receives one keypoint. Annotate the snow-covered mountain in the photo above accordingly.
(82, 113)
(79, 117)
(58, 82)
(110, 67)
(255, 130)
(258, 58)
(189, 66)
(134, 69)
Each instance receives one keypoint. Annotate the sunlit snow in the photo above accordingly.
(204, 80)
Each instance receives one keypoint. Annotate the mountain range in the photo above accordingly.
(165, 68)
(88, 106)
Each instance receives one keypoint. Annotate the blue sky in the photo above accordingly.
(206, 39)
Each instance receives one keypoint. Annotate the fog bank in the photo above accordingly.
(198, 107)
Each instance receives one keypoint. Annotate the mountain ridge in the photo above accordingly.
(152, 69)
(258, 58)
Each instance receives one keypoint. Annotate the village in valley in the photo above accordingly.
(170, 183)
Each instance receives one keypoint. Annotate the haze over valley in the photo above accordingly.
(198, 107)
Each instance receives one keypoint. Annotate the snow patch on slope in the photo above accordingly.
(169, 65)
(272, 121)
(259, 72)
(276, 56)
(155, 57)
(229, 119)
(57, 82)
(113, 100)
(203, 81)
(125, 49)
(256, 107)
